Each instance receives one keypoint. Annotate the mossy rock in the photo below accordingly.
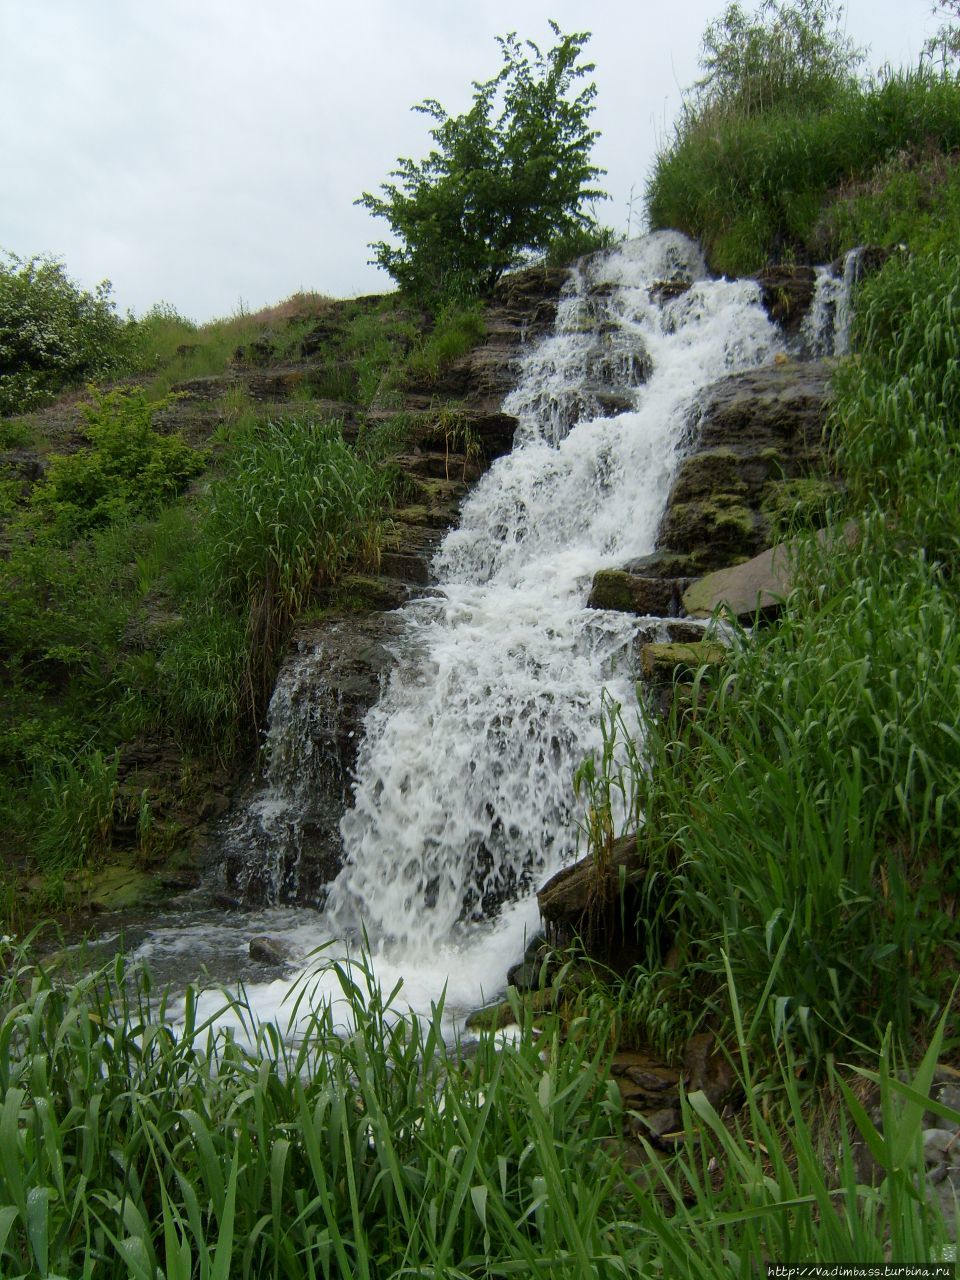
(358, 593)
(804, 500)
(664, 663)
(633, 593)
(716, 532)
(707, 473)
(114, 887)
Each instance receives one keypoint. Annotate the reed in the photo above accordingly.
(135, 1145)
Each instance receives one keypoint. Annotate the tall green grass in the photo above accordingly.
(760, 187)
(133, 1148)
(801, 816)
(295, 506)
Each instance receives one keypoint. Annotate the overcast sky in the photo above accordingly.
(207, 153)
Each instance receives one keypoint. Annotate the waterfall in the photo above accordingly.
(826, 327)
(463, 797)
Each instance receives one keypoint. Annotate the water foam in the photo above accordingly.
(463, 788)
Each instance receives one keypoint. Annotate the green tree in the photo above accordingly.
(789, 53)
(943, 47)
(53, 334)
(507, 177)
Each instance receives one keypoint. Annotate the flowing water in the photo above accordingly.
(826, 328)
(463, 798)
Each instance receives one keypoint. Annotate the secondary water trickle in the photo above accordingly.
(463, 789)
(826, 327)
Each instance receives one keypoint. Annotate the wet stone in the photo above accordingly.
(270, 951)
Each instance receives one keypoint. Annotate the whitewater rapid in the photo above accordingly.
(463, 799)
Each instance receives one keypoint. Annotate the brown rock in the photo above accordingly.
(664, 663)
(786, 293)
(569, 894)
(707, 1067)
(632, 593)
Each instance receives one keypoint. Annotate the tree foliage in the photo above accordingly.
(943, 47)
(506, 177)
(129, 468)
(789, 53)
(53, 333)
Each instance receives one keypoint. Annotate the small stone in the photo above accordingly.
(525, 975)
(269, 951)
(948, 1095)
(941, 1145)
(647, 1079)
(707, 1068)
(660, 1123)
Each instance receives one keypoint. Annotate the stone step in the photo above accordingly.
(637, 593)
(662, 664)
(442, 466)
(408, 552)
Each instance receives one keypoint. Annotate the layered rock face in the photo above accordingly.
(283, 842)
(755, 436)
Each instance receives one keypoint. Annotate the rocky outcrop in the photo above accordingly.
(522, 310)
(786, 293)
(756, 435)
(756, 430)
(283, 844)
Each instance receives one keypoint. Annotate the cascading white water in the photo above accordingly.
(826, 327)
(463, 790)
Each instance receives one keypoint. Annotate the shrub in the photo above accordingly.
(790, 54)
(53, 334)
(506, 177)
(566, 246)
(129, 469)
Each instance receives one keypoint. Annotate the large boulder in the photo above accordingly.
(582, 901)
(757, 586)
(755, 432)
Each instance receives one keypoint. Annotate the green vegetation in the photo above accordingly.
(53, 334)
(780, 153)
(130, 1149)
(129, 469)
(801, 811)
(509, 176)
(801, 804)
(295, 507)
(160, 539)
